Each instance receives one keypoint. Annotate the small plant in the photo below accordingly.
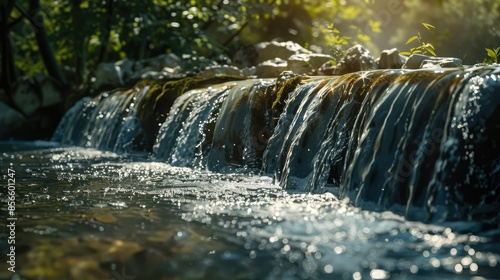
(493, 55)
(423, 47)
(335, 41)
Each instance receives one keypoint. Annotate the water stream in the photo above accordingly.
(89, 214)
(373, 175)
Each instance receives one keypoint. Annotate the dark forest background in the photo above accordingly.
(68, 39)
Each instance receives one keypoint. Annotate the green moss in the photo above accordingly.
(283, 89)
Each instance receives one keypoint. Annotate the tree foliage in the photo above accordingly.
(84, 33)
(463, 28)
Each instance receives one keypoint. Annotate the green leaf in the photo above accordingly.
(429, 45)
(405, 53)
(431, 51)
(363, 38)
(491, 53)
(411, 39)
(428, 26)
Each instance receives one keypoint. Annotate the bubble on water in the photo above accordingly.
(252, 254)
(328, 268)
(413, 268)
(379, 274)
(435, 262)
(473, 267)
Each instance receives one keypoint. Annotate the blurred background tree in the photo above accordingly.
(463, 28)
(84, 33)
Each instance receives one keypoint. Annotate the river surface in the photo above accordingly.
(88, 214)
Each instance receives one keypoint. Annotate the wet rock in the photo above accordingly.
(151, 74)
(157, 67)
(49, 89)
(283, 50)
(357, 58)
(414, 61)
(107, 74)
(249, 71)
(25, 97)
(126, 69)
(10, 119)
(271, 68)
(220, 70)
(327, 69)
(159, 62)
(391, 59)
(419, 61)
(305, 63)
(246, 56)
(442, 62)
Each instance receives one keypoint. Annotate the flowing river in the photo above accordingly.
(391, 174)
(89, 214)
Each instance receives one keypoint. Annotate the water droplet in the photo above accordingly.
(328, 268)
(379, 274)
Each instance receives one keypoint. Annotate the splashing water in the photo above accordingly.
(92, 213)
(362, 161)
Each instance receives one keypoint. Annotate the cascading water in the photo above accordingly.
(182, 139)
(402, 140)
(108, 122)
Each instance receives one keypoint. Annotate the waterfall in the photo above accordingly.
(185, 137)
(423, 143)
(107, 122)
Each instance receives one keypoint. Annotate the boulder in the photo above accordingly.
(327, 69)
(49, 89)
(442, 62)
(220, 70)
(270, 50)
(10, 119)
(108, 74)
(305, 63)
(249, 71)
(391, 59)
(357, 58)
(150, 74)
(419, 61)
(126, 69)
(271, 68)
(246, 57)
(158, 63)
(25, 97)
